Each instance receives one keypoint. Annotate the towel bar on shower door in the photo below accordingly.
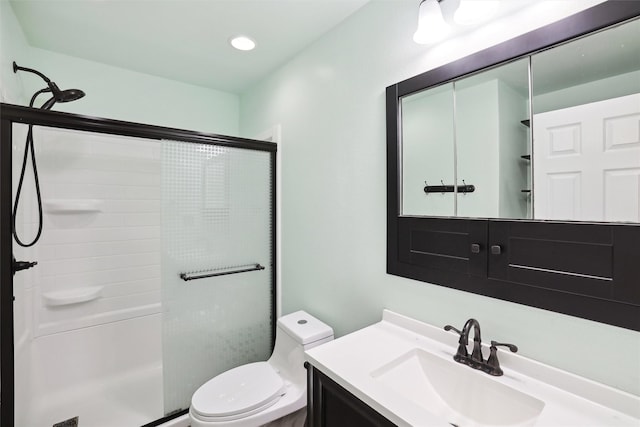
(217, 271)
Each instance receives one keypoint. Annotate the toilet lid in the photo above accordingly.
(238, 391)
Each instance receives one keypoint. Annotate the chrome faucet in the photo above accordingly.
(476, 360)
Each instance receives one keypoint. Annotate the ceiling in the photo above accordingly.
(183, 40)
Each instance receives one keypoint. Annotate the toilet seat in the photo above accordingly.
(238, 393)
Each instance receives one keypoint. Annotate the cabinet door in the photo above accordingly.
(594, 260)
(444, 244)
(330, 405)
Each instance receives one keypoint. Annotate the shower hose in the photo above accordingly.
(29, 152)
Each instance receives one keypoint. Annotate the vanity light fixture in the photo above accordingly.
(472, 12)
(242, 43)
(434, 17)
(431, 25)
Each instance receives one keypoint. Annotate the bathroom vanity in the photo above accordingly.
(402, 372)
(332, 405)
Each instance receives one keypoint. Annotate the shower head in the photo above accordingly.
(69, 95)
(62, 96)
(58, 95)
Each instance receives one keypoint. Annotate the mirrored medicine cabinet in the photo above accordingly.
(576, 157)
(515, 172)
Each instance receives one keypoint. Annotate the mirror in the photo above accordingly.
(586, 128)
(428, 151)
(472, 148)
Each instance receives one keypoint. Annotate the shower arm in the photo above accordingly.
(52, 86)
(17, 68)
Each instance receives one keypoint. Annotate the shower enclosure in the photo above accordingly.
(155, 269)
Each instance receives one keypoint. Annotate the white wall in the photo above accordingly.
(330, 102)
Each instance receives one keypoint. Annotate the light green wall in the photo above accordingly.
(598, 90)
(329, 100)
(112, 92)
(122, 94)
(13, 47)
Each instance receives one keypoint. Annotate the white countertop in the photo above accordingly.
(569, 400)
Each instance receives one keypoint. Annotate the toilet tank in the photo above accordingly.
(295, 333)
(305, 329)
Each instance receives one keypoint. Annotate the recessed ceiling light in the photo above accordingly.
(242, 43)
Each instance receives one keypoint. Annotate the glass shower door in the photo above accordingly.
(217, 276)
(115, 325)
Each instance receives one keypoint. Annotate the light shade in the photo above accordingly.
(431, 25)
(242, 43)
(472, 12)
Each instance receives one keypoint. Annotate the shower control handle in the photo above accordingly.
(22, 265)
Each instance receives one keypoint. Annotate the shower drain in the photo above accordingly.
(71, 422)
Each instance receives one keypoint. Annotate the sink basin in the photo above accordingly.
(458, 393)
(404, 370)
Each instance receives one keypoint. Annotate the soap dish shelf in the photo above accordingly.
(72, 296)
(73, 206)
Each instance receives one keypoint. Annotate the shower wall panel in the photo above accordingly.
(87, 317)
(99, 256)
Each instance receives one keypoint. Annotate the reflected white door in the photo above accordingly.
(587, 161)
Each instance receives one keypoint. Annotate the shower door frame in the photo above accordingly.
(10, 114)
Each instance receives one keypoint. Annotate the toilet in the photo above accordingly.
(258, 393)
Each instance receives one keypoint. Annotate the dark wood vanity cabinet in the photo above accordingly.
(588, 270)
(330, 405)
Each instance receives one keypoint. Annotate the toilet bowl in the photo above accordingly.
(257, 393)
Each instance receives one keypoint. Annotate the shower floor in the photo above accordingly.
(126, 401)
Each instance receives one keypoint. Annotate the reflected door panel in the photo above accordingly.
(587, 161)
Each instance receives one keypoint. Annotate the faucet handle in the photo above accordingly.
(493, 365)
(513, 348)
(451, 328)
(461, 353)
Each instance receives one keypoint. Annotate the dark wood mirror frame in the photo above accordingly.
(588, 270)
